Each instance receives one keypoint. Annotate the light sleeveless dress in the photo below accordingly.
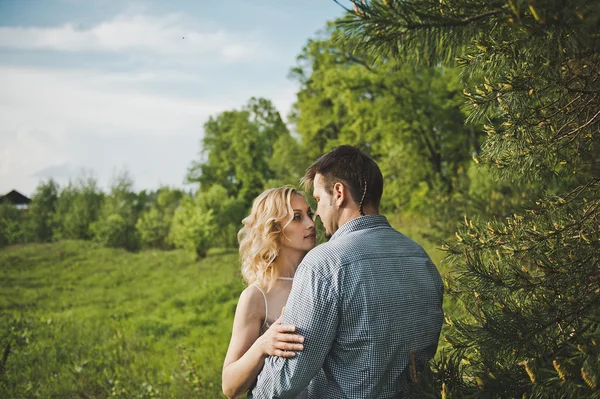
(270, 319)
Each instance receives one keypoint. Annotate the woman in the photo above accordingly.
(276, 235)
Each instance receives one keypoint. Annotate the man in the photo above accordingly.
(364, 301)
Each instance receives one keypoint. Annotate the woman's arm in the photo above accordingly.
(248, 349)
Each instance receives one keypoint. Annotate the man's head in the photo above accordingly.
(346, 182)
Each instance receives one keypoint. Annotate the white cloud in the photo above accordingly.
(59, 122)
(161, 36)
(40, 98)
(93, 120)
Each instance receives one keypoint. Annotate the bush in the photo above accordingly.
(78, 206)
(42, 211)
(227, 211)
(193, 227)
(118, 216)
(115, 232)
(11, 225)
(154, 226)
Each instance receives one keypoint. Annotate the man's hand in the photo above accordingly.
(279, 340)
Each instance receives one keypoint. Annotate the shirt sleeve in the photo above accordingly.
(313, 307)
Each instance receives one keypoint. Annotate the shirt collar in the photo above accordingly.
(361, 223)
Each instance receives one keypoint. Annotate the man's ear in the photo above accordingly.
(339, 194)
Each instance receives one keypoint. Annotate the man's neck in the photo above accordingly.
(351, 213)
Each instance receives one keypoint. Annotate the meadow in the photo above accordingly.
(85, 321)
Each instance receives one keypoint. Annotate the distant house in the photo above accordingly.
(17, 199)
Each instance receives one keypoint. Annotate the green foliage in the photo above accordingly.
(409, 119)
(529, 282)
(153, 228)
(118, 215)
(12, 224)
(84, 321)
(478, 192)
(77, 208)
(288, 162)
(236, 149)
(114, 231)
(42, 211)
(533, 298)
(491, 197)
(154, 225)
(227, 214)
(193, 227)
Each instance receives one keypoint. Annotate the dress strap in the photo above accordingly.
(266, 305)
(285, 278)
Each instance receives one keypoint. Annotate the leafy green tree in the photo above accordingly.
(288, 162)
(115, 226)
(236, 149)
(154, 225)
(227, 212)
(42, 211)
(409, 119)
(78, 206)
(530, 283)
(209, 219)
(478, 192)
(193, 228)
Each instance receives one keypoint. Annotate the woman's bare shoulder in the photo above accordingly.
(252, 302)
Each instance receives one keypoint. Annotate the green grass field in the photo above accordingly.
(85, 321)
(90, 322)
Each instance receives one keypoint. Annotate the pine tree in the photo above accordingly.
(530, 283)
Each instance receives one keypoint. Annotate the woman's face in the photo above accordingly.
(300, 233)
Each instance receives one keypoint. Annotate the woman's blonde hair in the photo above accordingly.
(260, 238)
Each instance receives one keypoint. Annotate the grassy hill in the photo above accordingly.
(84, 321)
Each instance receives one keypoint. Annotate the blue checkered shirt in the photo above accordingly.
(363, 301)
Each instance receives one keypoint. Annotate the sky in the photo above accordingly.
(98, 87)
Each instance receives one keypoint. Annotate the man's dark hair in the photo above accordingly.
(353, 168)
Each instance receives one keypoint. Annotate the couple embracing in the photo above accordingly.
(358, 308)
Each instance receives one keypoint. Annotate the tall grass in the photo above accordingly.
(84, 321)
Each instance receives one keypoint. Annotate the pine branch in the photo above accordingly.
(453, 24)
(341, 5)
(579, 128)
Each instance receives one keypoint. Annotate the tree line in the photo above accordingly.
(164, 219)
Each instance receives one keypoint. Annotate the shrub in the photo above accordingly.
(193, 227)
(11, 225)
(154, 226)
(118, 216)
(42, 211)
